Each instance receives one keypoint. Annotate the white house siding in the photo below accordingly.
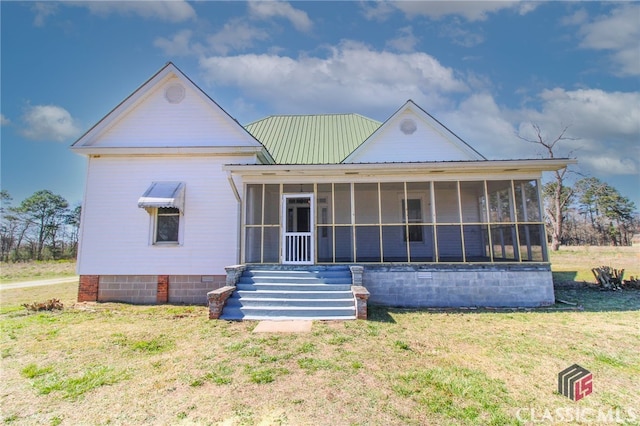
(193, 122)
(390, 144)
(116, 237)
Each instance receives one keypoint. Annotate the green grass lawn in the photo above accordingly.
(112, 363)
(27, 271)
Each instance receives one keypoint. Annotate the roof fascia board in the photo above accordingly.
(187, 150)
(505, 166)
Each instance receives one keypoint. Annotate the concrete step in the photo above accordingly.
(250, 317)
(292, 286)
(292, 278)
(256, 302)
(287, 312)
(268, 294)
(315, 274)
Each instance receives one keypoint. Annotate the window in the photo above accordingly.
(414, 209)
(167, 225)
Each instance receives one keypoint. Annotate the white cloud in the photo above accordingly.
(272, 9)
(43, 11)
(603, 127)
(4, 121)
(178, 45)
(469, 10)
(379, 10)
(405, 42)
(461, 35)
(49, 122)
(171, 10)
(322, 84)
(235, 35)
(480, 122)
(594, 113)
(617, 32)
(609, 164)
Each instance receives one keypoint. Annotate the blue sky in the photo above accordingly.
(486, 70)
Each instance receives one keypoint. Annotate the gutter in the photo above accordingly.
(233, 187)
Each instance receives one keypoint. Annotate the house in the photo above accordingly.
(177, 191)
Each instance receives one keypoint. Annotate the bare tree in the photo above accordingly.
(558, 195)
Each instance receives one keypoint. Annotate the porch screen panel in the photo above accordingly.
(394, 249)
(421, 190)
(324, 204)
(342, 200)
(253, 245)
(531, 239)
(368, 244)
(391, 196)
(344, 244)
(500, 204)
(271, 245)
(472, 201)
(476, 243)
(253, 213)
(503, 239)
(366, 203)
(423, 251)
(324, 244)
(527, 202)
(449, 243)
(446, 195)
(272, 204)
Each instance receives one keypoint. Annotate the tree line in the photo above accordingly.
(41, 227)
(595, 214)
(590, 212)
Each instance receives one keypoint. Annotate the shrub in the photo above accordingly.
(49, 305)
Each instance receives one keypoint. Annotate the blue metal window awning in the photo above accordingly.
(163, 194)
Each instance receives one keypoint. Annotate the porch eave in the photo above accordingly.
(483, 166)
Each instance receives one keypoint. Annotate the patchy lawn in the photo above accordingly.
(123, 364)
(112, 363)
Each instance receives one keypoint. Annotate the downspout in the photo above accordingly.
(238, 215)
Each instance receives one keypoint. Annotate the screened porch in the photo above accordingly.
(479, 221)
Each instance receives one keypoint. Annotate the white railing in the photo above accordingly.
(298, 248)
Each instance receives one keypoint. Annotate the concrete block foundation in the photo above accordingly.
(496, 285)
(148, 289)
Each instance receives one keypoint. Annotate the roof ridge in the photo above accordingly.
(313, 115)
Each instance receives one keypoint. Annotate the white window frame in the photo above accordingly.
(154, 229)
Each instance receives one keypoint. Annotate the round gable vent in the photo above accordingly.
(174, 93)
(408, 126)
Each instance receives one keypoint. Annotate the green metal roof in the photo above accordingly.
(312, 139)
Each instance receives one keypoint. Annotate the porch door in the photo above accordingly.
(298, 241)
